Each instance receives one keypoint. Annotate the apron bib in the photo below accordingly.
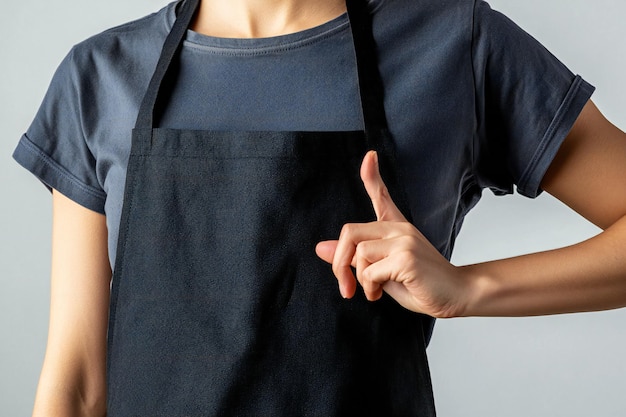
(219, 304)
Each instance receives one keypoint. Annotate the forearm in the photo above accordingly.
(56, 397)
(73, 377)
(72, 381)
(588, 276)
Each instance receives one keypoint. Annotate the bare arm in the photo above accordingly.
(72, 381)
(588, 174)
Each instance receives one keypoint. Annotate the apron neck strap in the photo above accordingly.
(171, 47)
(371, 89)
(370, 81)
(370, 84)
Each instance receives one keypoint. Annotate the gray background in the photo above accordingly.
(552, 366)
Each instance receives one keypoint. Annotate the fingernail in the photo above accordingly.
(376, 158)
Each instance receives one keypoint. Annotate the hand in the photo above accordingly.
(391, 255)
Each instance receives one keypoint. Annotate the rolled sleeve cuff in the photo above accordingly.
(54, 176)
(578, 95)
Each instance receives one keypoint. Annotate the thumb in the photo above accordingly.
(326, 250)
(384, 207)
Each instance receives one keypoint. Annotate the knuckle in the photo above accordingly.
(405, 257)
(409, 244)
(336, 270)
(407, 228)
(366, 282)
(406, 240)
(365, 276)
(361, 250)
(384, 192)
(369, 287)
(347, 230)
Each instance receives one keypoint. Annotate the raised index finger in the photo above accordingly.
(384, 207)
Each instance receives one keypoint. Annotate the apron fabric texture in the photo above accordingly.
(219, 304)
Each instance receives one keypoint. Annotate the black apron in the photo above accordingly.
(219, 304)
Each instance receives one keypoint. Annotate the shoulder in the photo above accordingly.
(426, 26)
(431, 7)
(105, 75)
(433, 22)
(126, 45)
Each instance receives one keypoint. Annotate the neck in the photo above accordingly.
(263, 18)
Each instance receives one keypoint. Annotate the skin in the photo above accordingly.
(393, 256)
(588, 174)
(72, 381)
(263, 18)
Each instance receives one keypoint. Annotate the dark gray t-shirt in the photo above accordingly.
(472, 101)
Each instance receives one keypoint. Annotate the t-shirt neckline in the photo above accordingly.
(270, 44)
(246, 46)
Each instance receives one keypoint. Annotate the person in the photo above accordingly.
(251, 139)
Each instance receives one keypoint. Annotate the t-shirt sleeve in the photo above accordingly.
(527, 102)
(54, 147)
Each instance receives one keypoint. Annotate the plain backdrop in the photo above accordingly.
(571, 365)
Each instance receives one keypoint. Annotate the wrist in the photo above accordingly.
(479, 288)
